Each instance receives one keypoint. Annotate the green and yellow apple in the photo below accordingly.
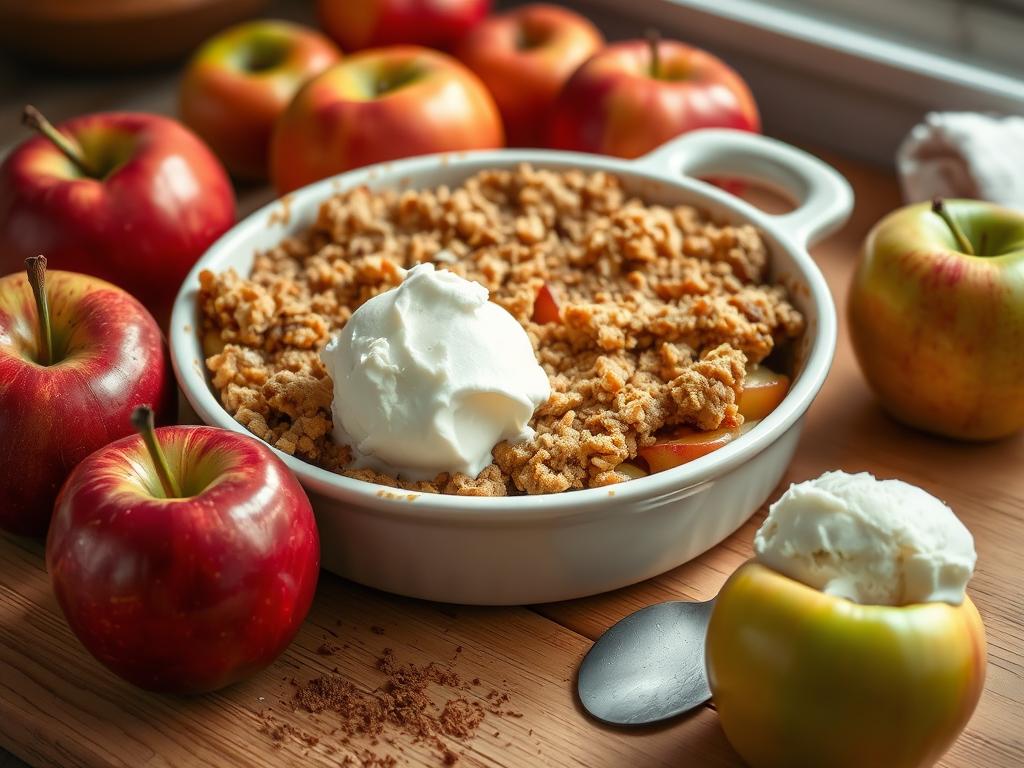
(804, 678)
(937, 317)
(240, 82)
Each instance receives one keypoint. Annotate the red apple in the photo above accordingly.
(685, 446)
(132, 198)
(636, 95)
(184, 559)
(358, 24)
(524, 57)
(763, 390)
(72, 366)
(937, 317)
(381, 105)
(240, 82)
(545, 307)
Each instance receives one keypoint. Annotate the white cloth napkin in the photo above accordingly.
(964, 154)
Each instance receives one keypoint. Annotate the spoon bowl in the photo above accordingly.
(649, 666)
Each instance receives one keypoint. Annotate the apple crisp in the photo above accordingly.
(660, 311)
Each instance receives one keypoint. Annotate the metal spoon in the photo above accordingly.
(649, 666)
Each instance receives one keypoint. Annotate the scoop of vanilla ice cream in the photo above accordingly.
(878, 542)
(430, 376)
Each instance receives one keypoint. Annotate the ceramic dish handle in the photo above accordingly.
(823, 197)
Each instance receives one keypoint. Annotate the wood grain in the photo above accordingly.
(58, 707)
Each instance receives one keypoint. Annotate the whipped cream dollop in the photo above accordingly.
(878, 542)
(430, 376)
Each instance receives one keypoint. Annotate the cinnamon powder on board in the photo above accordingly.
(401, 705)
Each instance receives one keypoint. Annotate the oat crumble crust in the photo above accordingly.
(661, 312)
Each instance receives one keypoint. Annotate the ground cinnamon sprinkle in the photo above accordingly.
(403, 704)
(278, 732)
(460, 718)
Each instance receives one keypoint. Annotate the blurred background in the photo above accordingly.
(847, 75)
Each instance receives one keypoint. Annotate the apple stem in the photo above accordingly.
(35, 120)
(654, 42)
(939, 207)
(142, 420)
(36, 268)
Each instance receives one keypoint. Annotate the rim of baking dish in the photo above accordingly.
(653, 490)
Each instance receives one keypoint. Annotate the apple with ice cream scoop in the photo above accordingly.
(803, 667)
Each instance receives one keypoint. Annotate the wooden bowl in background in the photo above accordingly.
(107, 34)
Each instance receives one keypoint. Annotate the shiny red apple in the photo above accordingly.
(184, 559)
(358, 24)
(636, 95)
(73, 364)
(381, 105)
(763, 390)
(128, 197)
(524, 57)
(240, 82)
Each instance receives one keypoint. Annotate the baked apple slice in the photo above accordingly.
(685, 446)
(631, 471)
(545, 307)
(688, 444)
(763, 390)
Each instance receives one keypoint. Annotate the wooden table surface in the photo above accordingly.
(58, 707)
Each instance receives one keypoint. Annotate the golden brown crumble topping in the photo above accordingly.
(661, 313)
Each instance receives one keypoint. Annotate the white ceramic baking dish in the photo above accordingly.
(529, 549)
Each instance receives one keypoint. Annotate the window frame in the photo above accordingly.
(818, 80)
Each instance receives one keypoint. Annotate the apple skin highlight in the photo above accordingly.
(184, 595)
(158, 202)
(110, 356)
